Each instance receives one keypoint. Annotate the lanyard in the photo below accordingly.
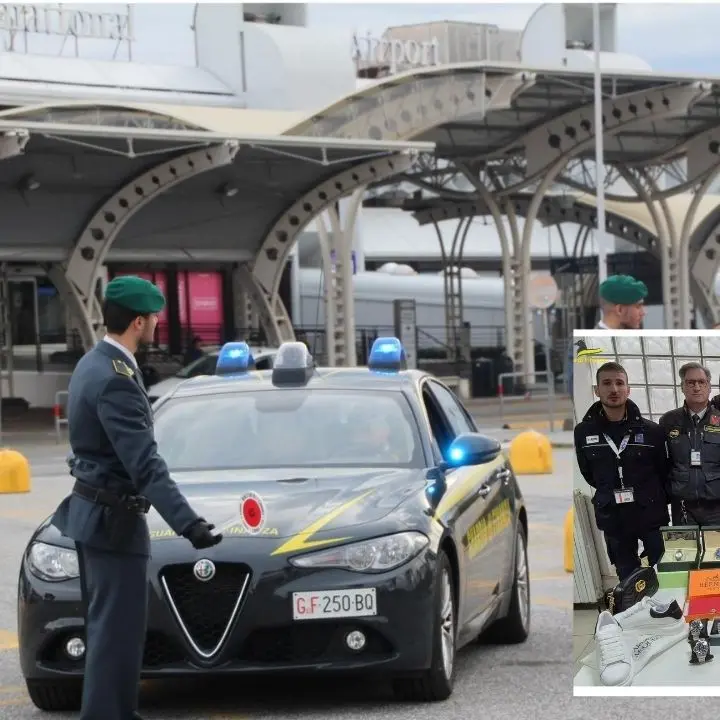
(618, 452)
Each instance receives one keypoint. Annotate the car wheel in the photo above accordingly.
(436, 683)
(54, 695)
(514, 628)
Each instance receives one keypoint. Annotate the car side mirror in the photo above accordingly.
(435, 488)
(472, 449)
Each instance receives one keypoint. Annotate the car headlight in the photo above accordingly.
(376, 555)
(52, 563)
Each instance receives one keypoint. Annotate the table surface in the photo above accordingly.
(669, 668)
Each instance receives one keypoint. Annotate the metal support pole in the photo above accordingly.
(548, 369)
(328, 287)
(599, 152)
(9, 349)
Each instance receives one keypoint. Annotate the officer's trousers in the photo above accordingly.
(115, 592)
(623, 550)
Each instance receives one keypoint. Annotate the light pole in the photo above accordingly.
(600, 239)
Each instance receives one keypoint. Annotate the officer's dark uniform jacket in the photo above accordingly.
(644, 467)
(115, 455)
(687, 482)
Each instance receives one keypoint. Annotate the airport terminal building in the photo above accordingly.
(289, 179)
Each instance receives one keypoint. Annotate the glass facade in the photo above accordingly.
(652, 365)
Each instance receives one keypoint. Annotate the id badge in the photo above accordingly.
(695, 458)
(624, 496)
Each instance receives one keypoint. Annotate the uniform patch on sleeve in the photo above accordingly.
(122, 368)
(674, 433)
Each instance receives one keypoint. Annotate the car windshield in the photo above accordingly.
(288, 428)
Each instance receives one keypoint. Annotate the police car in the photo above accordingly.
(206, 365)
(386, 533)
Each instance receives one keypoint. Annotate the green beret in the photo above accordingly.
(136, 294)
(623, 290)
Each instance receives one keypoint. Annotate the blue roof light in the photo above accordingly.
(234, 358)
(387, 353)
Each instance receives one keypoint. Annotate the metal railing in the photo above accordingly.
(528, 390)
(60, 413)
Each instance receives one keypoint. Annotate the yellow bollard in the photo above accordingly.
(14, 472)
(569, 538)
(531, 454)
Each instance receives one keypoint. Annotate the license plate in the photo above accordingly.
(334, 604)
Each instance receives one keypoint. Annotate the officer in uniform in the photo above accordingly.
(119, 476)
(621, 302)
(693, 437)
(623, 456)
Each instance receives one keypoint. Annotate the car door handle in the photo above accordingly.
(504, 475)
(484, 490)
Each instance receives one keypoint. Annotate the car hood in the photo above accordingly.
(164, 386)
(295, 499)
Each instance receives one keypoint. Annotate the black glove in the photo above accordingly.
(200, 536)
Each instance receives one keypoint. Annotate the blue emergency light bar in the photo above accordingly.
(387, 353)
(294, 365)
(235, 358)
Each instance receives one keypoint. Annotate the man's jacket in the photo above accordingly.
(113, 450)
(688, 482)
(644, 466)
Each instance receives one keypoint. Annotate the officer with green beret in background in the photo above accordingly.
(621, 302)
(118, 475)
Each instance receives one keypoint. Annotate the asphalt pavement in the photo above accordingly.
(493, 682)
(535, 677)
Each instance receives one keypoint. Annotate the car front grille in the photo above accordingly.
(205, 611)
(161, 651)
(297, 644)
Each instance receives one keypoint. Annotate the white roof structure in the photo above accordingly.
(29, 79)
(390, 234)
(222, 120)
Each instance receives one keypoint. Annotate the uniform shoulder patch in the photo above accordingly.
(122, 368)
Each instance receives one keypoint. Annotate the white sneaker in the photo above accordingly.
(613, 655)
(652, 618)
(644, 647)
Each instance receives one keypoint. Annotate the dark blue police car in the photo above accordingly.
(394, 534)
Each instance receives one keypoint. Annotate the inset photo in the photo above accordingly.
(646, 505)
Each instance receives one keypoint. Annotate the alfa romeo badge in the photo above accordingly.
(204, 570)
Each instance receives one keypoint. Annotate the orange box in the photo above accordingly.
(704, 583)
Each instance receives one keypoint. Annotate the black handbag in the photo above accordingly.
(643, 582)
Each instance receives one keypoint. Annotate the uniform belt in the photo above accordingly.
(135, 503)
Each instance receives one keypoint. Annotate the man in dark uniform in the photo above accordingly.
(623, 456)
(693, 437)
(119, 475)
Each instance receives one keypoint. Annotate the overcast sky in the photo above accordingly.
(671, 37)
